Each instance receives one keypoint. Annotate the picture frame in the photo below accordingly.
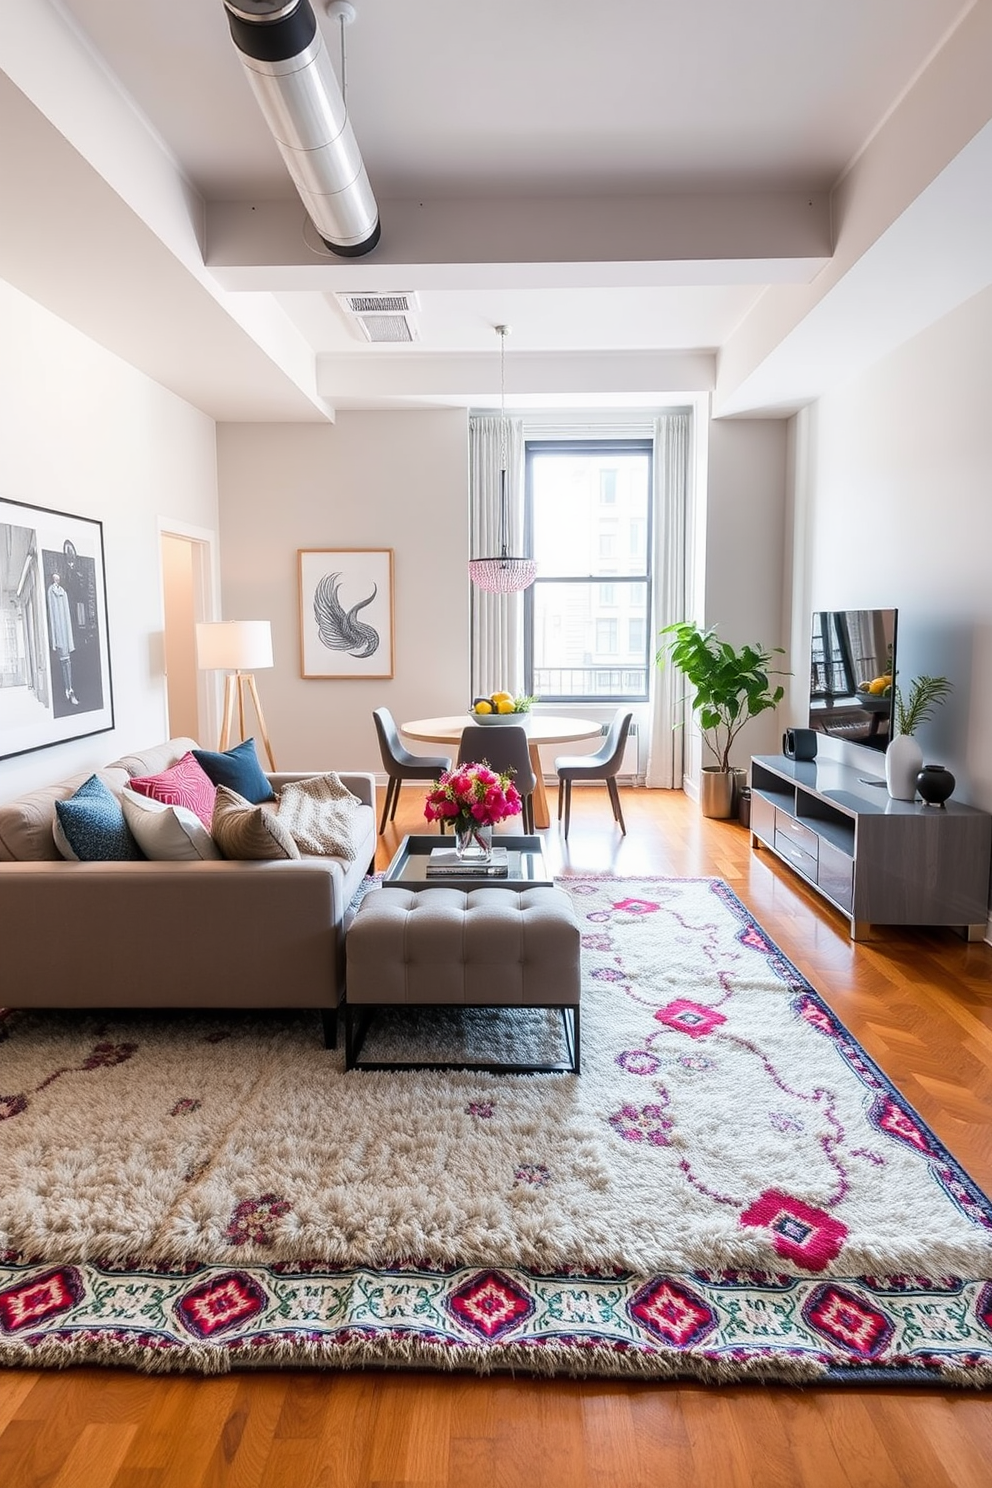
(346, 612)
(55, 674)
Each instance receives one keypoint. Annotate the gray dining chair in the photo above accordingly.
(503, 748)
(400, 764)
(603, 765)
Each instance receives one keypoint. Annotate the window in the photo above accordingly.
(586, 502)
(606, 635)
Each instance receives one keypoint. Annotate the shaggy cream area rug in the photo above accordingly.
(731, 1188)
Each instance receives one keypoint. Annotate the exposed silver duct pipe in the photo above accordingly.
(291, 75)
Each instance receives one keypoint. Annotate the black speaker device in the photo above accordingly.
(799, 744)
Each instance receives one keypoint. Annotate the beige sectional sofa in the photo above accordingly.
(205, 934)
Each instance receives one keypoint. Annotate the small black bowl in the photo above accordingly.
(935, 784)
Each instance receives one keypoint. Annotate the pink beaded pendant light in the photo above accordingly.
(502, 574)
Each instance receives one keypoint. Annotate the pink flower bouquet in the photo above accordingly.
(472, 796)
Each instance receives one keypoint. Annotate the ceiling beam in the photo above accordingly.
(100, 225)
(536, 379)
(583, 242)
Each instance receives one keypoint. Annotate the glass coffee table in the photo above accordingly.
(526, 867)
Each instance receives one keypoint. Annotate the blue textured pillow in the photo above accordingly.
(90, 826)
(239, 770)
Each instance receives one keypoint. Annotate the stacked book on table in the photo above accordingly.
(444, 862)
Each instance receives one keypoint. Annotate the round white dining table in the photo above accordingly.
(542, 728)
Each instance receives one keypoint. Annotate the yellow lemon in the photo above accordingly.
(502, 697)
(505, 706)
(483, 707)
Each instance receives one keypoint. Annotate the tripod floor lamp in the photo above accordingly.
(240, 648)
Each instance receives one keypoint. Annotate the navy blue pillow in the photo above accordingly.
(90, 826)
(239, 770)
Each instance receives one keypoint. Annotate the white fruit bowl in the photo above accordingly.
(493, 720)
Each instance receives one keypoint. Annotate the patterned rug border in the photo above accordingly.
(713, 1327)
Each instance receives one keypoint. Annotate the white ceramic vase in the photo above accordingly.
(903, 762)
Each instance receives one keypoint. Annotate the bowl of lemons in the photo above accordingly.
(877, 688)
(502, 708)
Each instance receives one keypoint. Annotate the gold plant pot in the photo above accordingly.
(716, 791)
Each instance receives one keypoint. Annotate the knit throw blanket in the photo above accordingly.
(321, 815)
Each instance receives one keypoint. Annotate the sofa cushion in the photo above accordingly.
(239, 770)
(167, 834)
(89, 827)
(154, 760)
(26, 823)
(245, 830)
(184, 785)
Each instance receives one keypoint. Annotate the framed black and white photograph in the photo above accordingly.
(54, 642)
(346, 612)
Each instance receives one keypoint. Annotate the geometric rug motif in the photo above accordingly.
(728, 1121)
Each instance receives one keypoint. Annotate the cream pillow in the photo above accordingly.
(249, 832)
(167, 834)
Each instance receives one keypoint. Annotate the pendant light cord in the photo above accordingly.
(502, 395)
(501, 331)
(500, 574)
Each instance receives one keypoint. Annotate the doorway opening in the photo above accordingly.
(187, 566)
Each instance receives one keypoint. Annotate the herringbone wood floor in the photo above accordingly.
(920, 1002)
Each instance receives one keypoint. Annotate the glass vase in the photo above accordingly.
(473, 842)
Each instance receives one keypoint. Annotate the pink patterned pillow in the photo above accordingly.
(186, 784)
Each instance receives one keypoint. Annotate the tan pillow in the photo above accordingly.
(248, 832)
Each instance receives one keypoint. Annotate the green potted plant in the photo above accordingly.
(729, 687)
(904, 757)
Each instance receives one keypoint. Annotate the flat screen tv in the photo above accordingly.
(852, 672)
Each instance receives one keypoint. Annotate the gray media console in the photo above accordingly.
(878, 861)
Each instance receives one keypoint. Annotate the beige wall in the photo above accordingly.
(372, 480)
(179, 607)
(400, 480)
(894, 507)
(83, 432)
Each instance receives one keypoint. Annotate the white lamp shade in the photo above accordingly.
(233, 645)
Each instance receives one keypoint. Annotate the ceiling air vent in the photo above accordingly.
(383, 317)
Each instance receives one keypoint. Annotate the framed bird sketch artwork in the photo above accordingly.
(346, 612)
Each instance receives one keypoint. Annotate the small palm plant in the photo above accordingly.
(925, 694)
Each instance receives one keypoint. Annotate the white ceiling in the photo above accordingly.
(628, 186)
(537, 97)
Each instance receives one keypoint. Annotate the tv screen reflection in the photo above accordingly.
(852, 675)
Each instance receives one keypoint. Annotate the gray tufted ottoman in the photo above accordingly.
(441, 947)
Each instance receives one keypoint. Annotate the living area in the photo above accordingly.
(874, 491)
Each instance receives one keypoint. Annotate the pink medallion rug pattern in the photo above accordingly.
(731, 1190)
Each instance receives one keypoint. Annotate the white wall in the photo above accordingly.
(894, 506)
(372, 480)
(743, 531)
(83, 432)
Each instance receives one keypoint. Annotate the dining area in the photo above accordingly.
(511, 741)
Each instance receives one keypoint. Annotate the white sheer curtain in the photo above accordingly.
(672, 446)
(497, 619)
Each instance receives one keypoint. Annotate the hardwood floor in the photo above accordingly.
(920, 1002)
